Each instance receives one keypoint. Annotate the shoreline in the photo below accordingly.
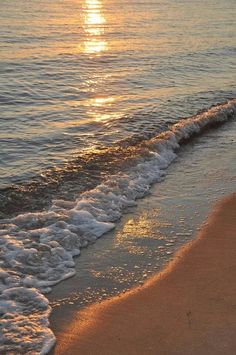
(189, 308)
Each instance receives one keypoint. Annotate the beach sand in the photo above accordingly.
(189, 308)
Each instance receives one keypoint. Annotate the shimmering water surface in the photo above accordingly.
(83, 74)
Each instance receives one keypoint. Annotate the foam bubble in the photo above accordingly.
(24, 315)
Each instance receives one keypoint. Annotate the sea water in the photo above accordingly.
(96, 99)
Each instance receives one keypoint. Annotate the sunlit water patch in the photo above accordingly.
(90, 73)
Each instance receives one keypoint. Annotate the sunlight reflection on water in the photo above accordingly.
(133, 66)
(94, 22)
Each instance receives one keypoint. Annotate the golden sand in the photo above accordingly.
(189, 308)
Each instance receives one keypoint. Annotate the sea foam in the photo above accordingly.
(37, 249)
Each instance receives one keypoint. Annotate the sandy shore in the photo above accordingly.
(190, 308)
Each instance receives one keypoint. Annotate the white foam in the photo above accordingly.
(24, 322)
(37, 249)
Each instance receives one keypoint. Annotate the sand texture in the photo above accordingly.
(189, 308)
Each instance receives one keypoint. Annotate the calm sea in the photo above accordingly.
(80, 75)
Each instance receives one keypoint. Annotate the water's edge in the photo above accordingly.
(38, 248)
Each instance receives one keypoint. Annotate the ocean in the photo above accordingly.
(97, 98)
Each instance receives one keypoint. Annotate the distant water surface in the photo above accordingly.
(83, 74)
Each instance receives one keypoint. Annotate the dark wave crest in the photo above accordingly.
(94, 166)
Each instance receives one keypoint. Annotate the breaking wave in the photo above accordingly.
(37, 248)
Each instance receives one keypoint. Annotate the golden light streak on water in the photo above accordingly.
(135, 230)
(98, 109)
(97, 116)
(94, 46)
(94, 27)
(100, 101)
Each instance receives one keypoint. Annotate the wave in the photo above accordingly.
(37, 248)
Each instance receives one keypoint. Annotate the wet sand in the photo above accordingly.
(189, 308)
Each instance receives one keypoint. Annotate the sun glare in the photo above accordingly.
(94, 22)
